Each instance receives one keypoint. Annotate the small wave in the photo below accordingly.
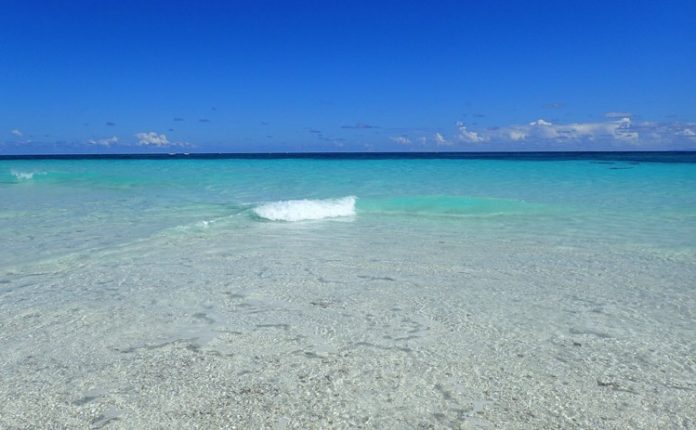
(23, 176)
(302, 210)
(195, 226)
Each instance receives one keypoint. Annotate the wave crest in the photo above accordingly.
(302, 210)
(23, 176)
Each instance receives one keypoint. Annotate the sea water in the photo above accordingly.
(355, 290)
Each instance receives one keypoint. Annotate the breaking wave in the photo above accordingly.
(302, 210)
(24, 176)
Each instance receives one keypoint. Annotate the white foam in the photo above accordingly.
(22, 176)
(300, 210)
(195, 226)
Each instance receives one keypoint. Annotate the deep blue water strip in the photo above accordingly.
(614, 156)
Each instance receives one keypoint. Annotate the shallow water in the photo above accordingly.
(348, 292)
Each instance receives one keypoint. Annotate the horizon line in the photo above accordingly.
(297, 154)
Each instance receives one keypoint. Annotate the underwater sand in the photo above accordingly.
(448, 294)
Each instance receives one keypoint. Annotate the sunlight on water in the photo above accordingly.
(455, 285)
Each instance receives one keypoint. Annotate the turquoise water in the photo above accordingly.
(441, 270)
(56, 206)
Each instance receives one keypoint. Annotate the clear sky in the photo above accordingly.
(259, 76)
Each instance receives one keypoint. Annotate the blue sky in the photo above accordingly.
(258, 76)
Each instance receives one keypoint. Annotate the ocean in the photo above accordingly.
(455, 290)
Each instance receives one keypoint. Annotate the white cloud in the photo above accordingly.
(467, 136)
(440, 139)
(104, 142)
(618, 114)
(612, 132)
(621, 130)
(401, 140)
(540, 129)
(152, 138)
(517, 135)
(540, 123)
(17, 133)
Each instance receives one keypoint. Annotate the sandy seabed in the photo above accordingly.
(349, 326)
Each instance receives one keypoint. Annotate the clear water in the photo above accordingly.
(374, 291)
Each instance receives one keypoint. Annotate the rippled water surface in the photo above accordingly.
(365, 291)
